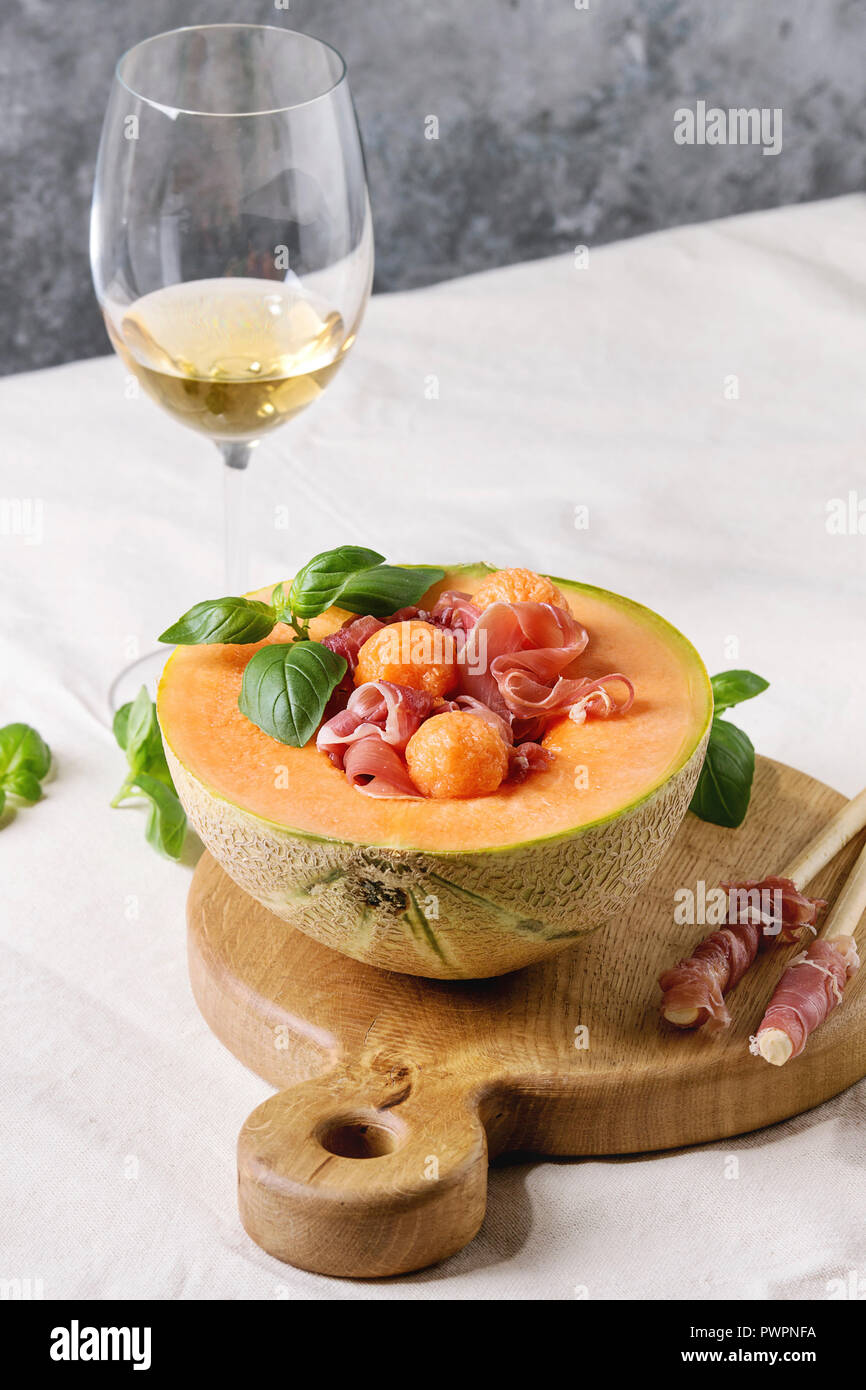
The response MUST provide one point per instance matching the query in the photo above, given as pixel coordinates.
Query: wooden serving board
(396, 1091)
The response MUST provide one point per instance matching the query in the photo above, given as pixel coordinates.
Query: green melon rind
(453, 914)
(495, 912)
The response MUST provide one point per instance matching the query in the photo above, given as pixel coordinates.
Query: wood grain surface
(396, 1091)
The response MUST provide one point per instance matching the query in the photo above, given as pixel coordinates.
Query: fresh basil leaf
(136, 729)
(141, 727)
(25, 759)
(235, 620)
(23, 783)
(158, 767)
(321, 581)
(166, 820)
(22, 747)
(120, 724)
(286, 687)
(733, 687)
(280, 603)
(725, 784)
(385, 589)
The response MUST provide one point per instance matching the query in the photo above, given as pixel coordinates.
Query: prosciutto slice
(378, 710)
(515, 658)
(695, 988)
(526, 758)
(698, 985)
(376, 768)
(455, 610)
(348, 640)
(808, 991)
(513, 644)
(783, 909)
(598, 700)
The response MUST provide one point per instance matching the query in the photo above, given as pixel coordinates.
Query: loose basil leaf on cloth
(141, 731)
(733, 687)
(286, 687)
(137, 731)
(120, 725)
(22, 747)
(385, 589)
(23, 784)
(236, 620)
(166, 820)
(25, 759)
(725, 784)
(321, 581)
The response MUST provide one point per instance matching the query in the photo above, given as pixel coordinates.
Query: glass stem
(236, 457)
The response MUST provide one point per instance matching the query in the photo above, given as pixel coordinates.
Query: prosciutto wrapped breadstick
(760, 914)
(814, 982)
(694, 989)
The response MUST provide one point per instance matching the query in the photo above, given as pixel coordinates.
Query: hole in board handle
(359, 1136)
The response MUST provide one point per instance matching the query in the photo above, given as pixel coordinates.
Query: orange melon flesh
(623, 758)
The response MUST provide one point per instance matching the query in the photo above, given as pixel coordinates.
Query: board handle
(335, 1176)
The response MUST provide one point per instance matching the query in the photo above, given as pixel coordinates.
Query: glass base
(146, 671)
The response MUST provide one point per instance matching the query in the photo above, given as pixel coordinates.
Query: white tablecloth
(701, 392)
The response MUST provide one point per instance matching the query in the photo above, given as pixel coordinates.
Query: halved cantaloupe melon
(455, 888)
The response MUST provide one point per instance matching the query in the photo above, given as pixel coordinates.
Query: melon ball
(411, 653)
(456, 754)
(518, 586)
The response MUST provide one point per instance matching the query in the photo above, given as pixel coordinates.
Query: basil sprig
(148, 777)
(286, 687)
(322, 581)
(25, 759)
(725, 784)
(355, 578)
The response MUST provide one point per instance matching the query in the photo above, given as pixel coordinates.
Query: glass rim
(202, 28)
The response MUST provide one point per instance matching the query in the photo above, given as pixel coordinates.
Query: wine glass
(231, 241)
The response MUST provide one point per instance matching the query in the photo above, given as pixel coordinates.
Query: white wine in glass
(231, 238)
(231, 358)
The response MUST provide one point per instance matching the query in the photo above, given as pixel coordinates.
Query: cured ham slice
(784, 911)
(808, 991)
(376, 768)
(379, 710)
(348, 640)
(514, 646)
(812, 985)
(760, 913)
(514, 661)
(598, 700)
(455, 610)
(693, 990)
(526, 758)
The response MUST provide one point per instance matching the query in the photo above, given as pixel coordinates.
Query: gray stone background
(556, 127)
